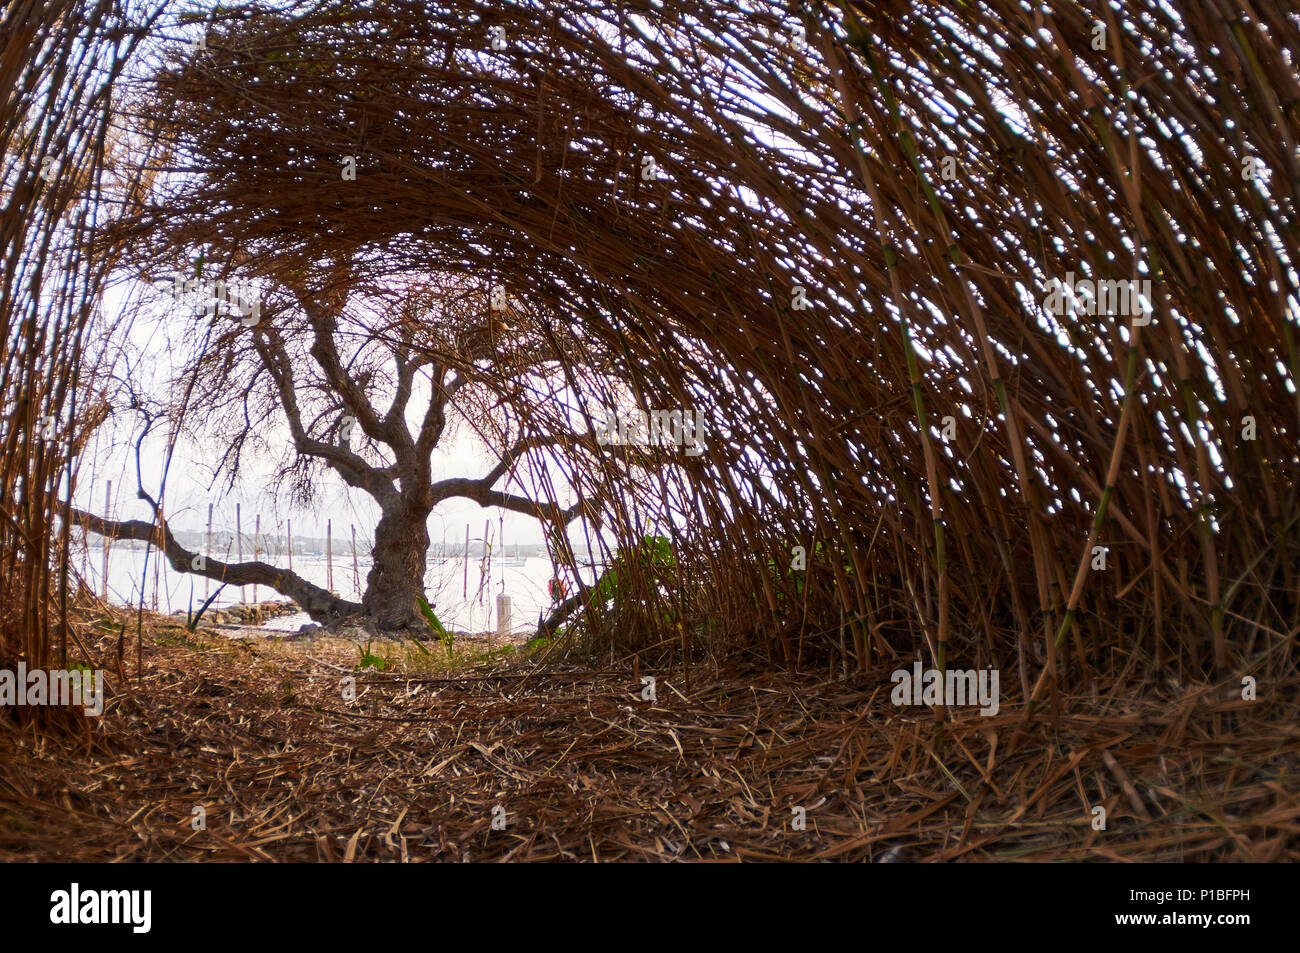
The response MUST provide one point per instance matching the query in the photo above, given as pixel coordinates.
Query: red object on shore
(556, 588)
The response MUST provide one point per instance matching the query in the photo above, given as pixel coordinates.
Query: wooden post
(207, 553)
(157, 563)
(356, 573)
(239, 547)
(289, 533)
(503, 621)
(329, 553)
(85, 570)
(108, 502)
(464, 590)
(257, 547)
(487, 528)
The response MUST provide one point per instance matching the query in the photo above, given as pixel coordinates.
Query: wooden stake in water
(108, 502)
(356, 573)
(329, 554)
(257, 547)
(464, 589)
(486, 565)
(239, 547)
(157, 563)
(207, 553)
(289, 532)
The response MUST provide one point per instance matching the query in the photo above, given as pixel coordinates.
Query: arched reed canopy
(841, 231)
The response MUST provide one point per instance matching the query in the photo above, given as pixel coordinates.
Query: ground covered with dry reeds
(585, 769)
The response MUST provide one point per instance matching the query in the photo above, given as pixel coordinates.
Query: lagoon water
(474, 611)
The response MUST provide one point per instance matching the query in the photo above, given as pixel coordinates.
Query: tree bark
(396, 576)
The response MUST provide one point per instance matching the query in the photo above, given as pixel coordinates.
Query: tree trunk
(396, 576)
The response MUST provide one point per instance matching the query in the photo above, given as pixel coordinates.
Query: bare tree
(365, 385)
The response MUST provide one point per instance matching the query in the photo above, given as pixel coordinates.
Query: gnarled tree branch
(317, 602)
